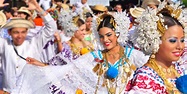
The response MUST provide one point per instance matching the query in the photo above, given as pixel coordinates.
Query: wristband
(41, 13)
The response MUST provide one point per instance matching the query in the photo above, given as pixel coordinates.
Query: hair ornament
(121, 23)
(147, 37)
(75, 19)
(100, 19)
(160, 25)
(67, 22)
(148, 33)
(176, 11)
(122, 26)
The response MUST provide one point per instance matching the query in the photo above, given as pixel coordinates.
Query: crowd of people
(82, 49)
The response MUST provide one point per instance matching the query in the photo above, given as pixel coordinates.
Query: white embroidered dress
(68, 78)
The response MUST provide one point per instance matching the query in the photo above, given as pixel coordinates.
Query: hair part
(88, 14)
(168, 19)
(108, 21)
(80, 22)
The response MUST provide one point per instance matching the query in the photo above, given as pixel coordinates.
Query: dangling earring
(117, 34)
(152, 56)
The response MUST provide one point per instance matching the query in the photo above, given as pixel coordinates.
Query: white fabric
(34, 32)
(12, 65)
(79, 7)
(68, 78)
(50, 49)
(45, 4)
(93, 2)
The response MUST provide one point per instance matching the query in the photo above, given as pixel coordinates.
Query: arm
(3, 92)
(35, 62)
(49, 25)
(1, 3)
(58, 41)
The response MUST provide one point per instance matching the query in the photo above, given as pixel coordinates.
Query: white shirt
(12, 65)
(80, 7)
(45, 4)
(34, 32)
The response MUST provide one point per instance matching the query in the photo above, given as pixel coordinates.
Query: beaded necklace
(171, 89)
(78, 50)
(122, 66)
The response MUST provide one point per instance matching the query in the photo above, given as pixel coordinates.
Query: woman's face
(79, 34)
(83, 1)
(152, 6)
(107, 37)
(88, 23)
(172, 44)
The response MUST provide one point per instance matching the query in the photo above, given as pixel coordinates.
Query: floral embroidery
(141, 77)
(146, 79)
(141, 84)
(129, 85)
(155, 86)
(57, 60)
(55, 90)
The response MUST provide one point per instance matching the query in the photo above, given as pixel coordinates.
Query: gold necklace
(169, 71)
(111, 84)
(76, 49)
(169, 86)
(90, 47)
(114, 54)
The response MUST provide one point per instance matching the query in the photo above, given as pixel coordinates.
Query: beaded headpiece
(121, 24)
(68, 22)
(152, 27)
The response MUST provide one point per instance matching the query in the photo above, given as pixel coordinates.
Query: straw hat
(65, 6)
(2, 18)
(145, 3)
(24, 10)
(18, 22)
(136, 12)
(99, 8)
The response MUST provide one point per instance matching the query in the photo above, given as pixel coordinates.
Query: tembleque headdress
(151, 26)
(121, 23)
(68, 22)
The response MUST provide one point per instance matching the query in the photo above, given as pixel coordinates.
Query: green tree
(185, 2)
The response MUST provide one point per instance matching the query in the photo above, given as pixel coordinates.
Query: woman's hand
(57, 36)
(58, 40)
(32, 4)
(34, 62)
(1, 3)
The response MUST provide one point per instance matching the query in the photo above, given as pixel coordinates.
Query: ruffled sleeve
(138, 58)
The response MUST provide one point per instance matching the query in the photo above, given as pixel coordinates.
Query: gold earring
(152, 56)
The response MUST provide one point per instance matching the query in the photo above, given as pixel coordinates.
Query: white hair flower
(147, 36)
(123, 23)
(65, 20)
